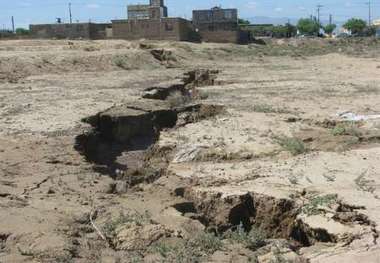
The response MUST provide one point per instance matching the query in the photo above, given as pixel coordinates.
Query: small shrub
(338, 130)
(278, 257)
(193, 250)
(263, 108)
(90, 49)
(293, 145)
(348, 128)
(252, 240)
(121, 62)
(208, 242)
(110, 227)
(312, 208)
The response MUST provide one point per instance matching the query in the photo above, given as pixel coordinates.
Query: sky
(27, 12)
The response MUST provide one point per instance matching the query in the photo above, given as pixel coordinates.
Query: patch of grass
(313, 207)
(266, 108)
(91, 49)
(121, 62)
(365, 184)
(193, 250)
(253, 239)
(293, 145)
(208, 242)
(110, 227)
(263, 108)
(367, 89)
(278, 257)
(75, 61)
(347, 128)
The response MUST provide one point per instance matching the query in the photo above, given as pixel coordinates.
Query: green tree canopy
(308, 26)
(22, 31)
(282, 31)
(329, 29)
(355, 25)
(243, 21)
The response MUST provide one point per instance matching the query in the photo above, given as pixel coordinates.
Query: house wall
(71, 31)
(176, 29)
(219, 25)
(221, 36)
(215, 15)
(138, 11)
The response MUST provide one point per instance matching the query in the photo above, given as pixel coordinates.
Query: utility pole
(319, 13)
(369, 13)
(71, 16)
(13, 24)
(330, 19)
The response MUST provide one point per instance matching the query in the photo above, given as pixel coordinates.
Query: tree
(243, 21)
(329, 29)
(308, 26)
(284, 31)
(22, 31)
(369, 31)
(291, 30)
(355, 25)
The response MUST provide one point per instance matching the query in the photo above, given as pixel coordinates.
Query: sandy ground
(48, 192)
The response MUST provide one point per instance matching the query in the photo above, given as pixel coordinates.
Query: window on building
(228, 14)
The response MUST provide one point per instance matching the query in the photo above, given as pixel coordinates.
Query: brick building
(152, 22)
(155, 10)
(219, 25)
(176, 29)
(70, 31)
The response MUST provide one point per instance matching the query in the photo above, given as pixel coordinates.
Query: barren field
(115, 151)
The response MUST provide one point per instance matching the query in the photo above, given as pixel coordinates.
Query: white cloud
(278, 9)
(252, 5)
(93, 6)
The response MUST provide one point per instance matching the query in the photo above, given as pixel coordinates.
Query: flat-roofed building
(155, 10)
(152, 22)
(219, 25)
(138, 12)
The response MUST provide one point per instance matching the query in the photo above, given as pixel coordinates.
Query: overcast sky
(45, 11)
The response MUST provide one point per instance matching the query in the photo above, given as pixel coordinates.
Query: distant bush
(22, 31)
(329, 29)
(355, 25)
(293, 145)
(308, 26)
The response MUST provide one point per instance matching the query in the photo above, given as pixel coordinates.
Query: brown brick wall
(70, 31)
(156, 29)
(220, 36)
